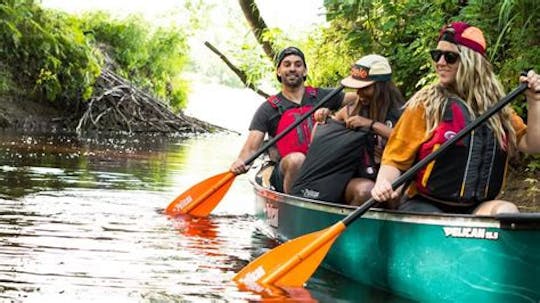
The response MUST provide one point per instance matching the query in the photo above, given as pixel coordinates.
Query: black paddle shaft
(290, 127)
(413, 170)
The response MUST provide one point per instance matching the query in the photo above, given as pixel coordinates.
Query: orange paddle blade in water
(203, 197)
(290, 264)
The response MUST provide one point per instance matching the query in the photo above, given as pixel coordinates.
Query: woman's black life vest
(471, 171)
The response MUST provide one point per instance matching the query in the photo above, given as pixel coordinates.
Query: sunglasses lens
(436, 55)
(451, 58)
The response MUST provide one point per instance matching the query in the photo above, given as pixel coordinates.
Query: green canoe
(424, 257)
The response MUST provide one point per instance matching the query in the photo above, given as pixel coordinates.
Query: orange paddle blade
(200, 199)
(292, 263)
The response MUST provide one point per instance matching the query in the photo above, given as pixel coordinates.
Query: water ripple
(78, 245)
(81, 220)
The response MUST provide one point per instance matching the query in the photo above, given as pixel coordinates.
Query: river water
(81, 220)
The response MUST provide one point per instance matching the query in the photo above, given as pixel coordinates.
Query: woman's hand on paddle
(533, 84)
(382, 190)
(321, 115)
(238, 167)
(356, 121)
(530, 143)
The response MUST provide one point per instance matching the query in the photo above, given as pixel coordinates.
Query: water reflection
(189, 226)
(41, 162)
(80, 246)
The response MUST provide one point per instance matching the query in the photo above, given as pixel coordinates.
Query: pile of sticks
(120, 106)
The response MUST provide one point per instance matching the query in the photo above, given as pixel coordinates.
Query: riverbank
(24, 115)
(523, 188)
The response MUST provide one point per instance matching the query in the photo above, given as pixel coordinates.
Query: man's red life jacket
(297, 140)
(470, 172)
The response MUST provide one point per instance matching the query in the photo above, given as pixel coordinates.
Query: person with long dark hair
(344, 156)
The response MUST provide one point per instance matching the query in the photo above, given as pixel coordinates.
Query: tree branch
(241, 74)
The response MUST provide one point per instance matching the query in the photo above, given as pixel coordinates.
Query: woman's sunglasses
(449, 57)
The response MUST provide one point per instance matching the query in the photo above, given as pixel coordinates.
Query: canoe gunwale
(518, 221)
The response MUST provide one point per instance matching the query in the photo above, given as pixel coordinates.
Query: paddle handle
(414, 169)
(290, 127)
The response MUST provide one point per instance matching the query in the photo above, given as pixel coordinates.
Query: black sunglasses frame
(449, 57)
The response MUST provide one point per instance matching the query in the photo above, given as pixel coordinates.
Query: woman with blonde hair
(468, 177)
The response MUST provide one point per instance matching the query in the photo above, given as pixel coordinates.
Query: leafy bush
(392, 29)
(511, 28)
(6, 83)
(46, 52)
(54, 55)
(151, 59)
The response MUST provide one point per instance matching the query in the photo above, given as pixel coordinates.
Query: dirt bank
(523, 188)
(25, 115)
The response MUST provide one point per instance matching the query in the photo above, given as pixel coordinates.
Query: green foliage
(392, 29)
(511, 28)
(6, 82)
(152, 59)
(332, 59)
(46, 52)
(53, 54)
(255, 64)
(534, 162)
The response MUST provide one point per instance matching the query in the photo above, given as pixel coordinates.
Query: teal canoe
(423, 257)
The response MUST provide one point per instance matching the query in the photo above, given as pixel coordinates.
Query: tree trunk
(257, 24)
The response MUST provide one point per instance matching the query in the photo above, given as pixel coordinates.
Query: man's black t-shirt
(267, 117)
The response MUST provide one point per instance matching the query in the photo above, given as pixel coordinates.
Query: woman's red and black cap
(464, 34)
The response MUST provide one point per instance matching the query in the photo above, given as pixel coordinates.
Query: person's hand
(321, 115)
(357, 122)
(382, 191)
(238, 167)
(533, 84)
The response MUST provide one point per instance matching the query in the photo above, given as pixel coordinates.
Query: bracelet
(371, 125)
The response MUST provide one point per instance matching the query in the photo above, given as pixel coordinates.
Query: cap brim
(353, 83)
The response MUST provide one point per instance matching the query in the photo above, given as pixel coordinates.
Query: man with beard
(280, 111)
